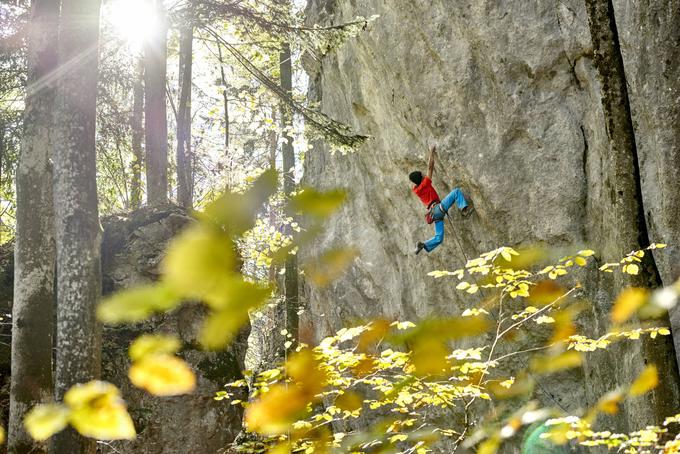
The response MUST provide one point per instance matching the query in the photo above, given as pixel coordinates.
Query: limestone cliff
(510, 93)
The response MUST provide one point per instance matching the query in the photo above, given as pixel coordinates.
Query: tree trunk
(156, 123)
(78, 233)
(33, 306)
(623, 215)
(184, 161)
(2, 147)
(273, 148)
(137, 137)
(225, 96)
(288, 154)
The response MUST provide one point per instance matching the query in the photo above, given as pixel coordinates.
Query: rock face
(509, 92)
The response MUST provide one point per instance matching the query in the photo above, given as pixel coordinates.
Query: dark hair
(416, 177)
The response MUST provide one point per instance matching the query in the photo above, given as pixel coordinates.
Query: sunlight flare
(133, 20)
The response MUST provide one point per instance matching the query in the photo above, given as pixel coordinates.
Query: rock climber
(437, 209)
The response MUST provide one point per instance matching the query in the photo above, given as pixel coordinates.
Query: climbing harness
(435, 213)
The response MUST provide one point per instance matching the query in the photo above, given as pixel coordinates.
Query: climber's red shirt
(426, 192)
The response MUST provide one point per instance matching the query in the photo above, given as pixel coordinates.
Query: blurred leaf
(546, 292)
(236, 212)
(220, 327)
(349, 401)
(524, 258)
(330, 266)
(304, 369)
(137, 304)
(276, 410)
(151, 344)
(377, 330)
(627, 303)
(444, 329)
(237, 295)
(198, 262)
(365, 366)
(43, 421)
(97, 411)
(162, 375)
(511, 389)
(429, 357)
(551, 364)
(609, 403)
(646, 381)
(489, 446)
(311, 202)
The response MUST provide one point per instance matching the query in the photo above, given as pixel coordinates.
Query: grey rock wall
(509, 93)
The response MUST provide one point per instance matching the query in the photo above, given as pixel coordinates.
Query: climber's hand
(430, 164)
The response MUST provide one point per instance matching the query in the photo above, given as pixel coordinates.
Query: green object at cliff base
(534, 444)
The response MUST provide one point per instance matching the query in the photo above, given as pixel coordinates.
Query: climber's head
(416, 177)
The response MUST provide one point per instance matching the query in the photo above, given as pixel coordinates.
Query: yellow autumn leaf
(309, 201)
(646, 381)
(555, 273)
(631, 268)
(151, 344)
(304, 369)
(219, 328)
(462, 285)
(276, 410)
(429, 357)
(282, 448)
(546, 292)
(473, 289)
(236, 294)
(110, 422)
(609, 403)
(137, 304)
(85, 394)
(489, 446)
(627, 303)
(544, 319)
(551, 364)
(98, 411)
(43, 421)
(586, 253)
(162, 375)
(235, 213)
(580, 261)
(330, 266)
(349, 401)
(397, 438)
(198, 262)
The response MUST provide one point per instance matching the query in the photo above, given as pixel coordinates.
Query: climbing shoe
(419, 247)
(467, 211)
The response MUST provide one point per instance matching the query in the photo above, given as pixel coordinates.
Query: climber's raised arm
(430, 163)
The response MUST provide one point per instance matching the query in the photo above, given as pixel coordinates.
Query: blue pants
(455, 196)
